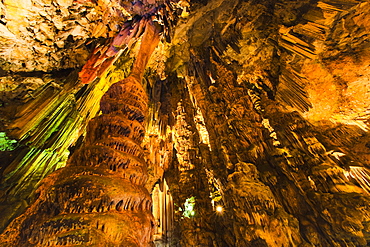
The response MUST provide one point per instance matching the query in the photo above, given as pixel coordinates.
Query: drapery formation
(257, 108)
(99, 198)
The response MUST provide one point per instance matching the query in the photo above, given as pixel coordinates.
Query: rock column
(99, 198)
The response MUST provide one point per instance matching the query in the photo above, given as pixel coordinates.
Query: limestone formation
(99, 198)
(250, 123)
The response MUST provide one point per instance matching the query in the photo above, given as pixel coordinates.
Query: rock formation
(99, 198)
(256, 131)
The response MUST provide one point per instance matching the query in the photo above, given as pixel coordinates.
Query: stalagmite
(99, 198)
(254, 130)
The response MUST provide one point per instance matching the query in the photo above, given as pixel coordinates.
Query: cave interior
(185, 123)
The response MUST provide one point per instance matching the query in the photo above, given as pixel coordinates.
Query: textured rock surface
(99, 198)
(51, 35)
(259, 107)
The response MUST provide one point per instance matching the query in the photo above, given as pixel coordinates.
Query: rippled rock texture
(256, 128)
(99, 198)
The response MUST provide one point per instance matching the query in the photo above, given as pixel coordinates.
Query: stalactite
(99, 198)
(263, 131)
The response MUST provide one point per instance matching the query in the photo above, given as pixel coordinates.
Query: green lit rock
(6, 144)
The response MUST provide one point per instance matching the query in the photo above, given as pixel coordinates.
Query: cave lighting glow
(219, 209)
(361, 175)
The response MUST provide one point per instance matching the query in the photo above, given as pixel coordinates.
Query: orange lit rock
(99, 198)
(260, 107)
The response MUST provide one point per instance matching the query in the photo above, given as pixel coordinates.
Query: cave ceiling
(264, 103)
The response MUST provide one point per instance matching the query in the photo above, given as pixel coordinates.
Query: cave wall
(274, 84)
(260, 107)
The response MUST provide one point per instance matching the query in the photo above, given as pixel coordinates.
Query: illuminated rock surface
(99, 198)
(260, 107)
